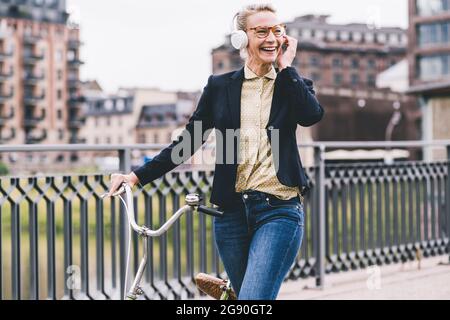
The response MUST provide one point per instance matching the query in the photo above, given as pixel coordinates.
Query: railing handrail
(159, 146)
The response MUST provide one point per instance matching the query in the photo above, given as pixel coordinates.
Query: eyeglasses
(263, 32)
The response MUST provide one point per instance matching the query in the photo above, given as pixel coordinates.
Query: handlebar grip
(210, 211)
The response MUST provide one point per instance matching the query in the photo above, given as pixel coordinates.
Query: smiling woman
(261, 185)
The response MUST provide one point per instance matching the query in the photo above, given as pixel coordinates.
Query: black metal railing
(58, 239)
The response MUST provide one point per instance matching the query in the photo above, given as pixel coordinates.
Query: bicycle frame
(193, 202)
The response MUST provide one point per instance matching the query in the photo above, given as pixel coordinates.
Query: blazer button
(294, 80)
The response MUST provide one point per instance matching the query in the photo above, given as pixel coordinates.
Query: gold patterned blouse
(256, 169)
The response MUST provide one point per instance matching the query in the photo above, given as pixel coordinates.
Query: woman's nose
(271, 37)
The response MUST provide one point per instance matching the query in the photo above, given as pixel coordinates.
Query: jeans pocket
(275, 202)
(294, 206)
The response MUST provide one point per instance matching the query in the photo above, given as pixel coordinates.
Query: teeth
(268, 49)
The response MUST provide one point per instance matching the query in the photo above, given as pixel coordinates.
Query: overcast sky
(167, 44)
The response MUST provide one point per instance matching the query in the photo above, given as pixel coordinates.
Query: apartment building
(429, 67)
(342, 55)
(39, 75)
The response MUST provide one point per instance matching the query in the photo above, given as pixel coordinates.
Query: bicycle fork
(135, 290)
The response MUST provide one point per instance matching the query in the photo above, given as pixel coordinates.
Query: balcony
(77, 140)
(31, 57)
(74, 63)
(73, 83)
(5, 75)
(5, 96)
(31, 120)
(5, 55)
(75, 123)
(30, 40)
(74, 44)
(4, 118)
(31, 99)
(33, 138)
(6, 139)
(30, 78)
(75, 101)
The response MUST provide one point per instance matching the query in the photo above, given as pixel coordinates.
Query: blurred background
(70, 69)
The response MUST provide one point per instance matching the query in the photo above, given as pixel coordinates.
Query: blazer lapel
(234, 97)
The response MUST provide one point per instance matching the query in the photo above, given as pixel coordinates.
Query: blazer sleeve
(306, 108)
(185, 145)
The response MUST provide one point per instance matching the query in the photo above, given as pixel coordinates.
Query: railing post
(125, 160)
(447, 201)
(124, 167)
(319, 163)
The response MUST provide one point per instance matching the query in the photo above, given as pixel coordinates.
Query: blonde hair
(242, 15)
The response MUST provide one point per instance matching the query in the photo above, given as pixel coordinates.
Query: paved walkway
(397, 281)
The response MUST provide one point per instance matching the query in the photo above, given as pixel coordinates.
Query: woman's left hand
(285, 59)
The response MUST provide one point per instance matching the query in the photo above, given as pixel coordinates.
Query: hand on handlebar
(117, 180)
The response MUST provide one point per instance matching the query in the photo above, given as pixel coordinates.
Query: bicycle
(215, 287)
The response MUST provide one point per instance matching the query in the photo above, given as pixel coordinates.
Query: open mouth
(268, 49)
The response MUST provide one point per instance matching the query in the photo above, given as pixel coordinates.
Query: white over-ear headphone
(239, 39)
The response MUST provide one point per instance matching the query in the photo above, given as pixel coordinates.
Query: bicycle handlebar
(211, 211)
(192, 200)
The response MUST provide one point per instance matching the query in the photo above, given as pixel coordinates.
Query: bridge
(60, 240)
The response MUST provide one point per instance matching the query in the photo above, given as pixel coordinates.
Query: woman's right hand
(117, 179)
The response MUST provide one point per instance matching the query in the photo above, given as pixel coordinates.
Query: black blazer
(293, 103)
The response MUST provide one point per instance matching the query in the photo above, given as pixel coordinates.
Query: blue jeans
(258, 240)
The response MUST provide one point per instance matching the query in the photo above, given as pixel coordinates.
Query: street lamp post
(395, 119)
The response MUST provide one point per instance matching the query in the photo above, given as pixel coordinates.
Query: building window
(120, 104)
(71, 55)
(357, 36)
(141, 138)
(355, 79)
(59, 114)
(314, 61)
(434, 67)
(355, 63)
(337, 63)
(381, 38)
(432, 7)
(109, 104)
(369, 37)
(433, 33)
(337, 79)
(332, 35)
(60, 134)
(59, 94)
(220, 65)
(59, 55)
(315, 76)
(344, 36)
(371, 64)
(371, 80)
(59, 74)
